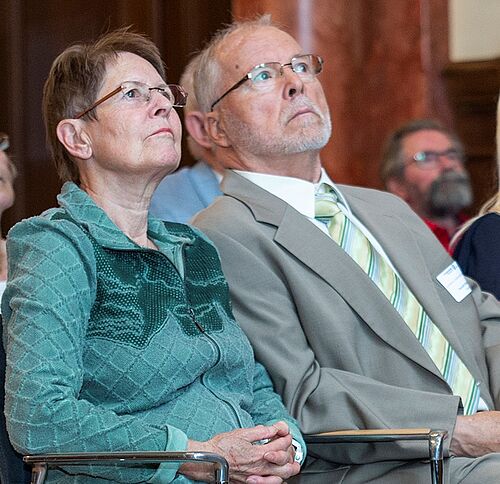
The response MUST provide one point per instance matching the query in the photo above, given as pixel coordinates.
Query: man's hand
(476, 435)
(250, 461)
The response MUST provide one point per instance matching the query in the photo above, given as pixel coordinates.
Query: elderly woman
(118, 328)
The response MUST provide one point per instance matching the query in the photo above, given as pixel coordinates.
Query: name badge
(454, 282)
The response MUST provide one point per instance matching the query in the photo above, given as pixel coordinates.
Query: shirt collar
(296, 192)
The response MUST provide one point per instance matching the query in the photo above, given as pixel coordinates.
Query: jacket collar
(80, 206)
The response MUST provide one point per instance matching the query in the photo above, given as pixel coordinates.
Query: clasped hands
(250, 460)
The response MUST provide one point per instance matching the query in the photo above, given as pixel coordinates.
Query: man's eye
(301, 67)
(262, 76)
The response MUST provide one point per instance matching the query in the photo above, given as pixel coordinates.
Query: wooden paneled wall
(32, 33)
(384, 65)
(383, 61)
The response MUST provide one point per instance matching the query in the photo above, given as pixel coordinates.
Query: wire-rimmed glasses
(262, 76)
(431, 159)
(134, 92)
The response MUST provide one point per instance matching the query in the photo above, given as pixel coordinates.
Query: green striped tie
(353, 241)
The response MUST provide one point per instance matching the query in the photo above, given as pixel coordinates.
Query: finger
(264, 480)
(259, 432)
(280, 457)
(282, 428)
(279, 443)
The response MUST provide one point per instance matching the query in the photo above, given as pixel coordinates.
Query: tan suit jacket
(338, 352)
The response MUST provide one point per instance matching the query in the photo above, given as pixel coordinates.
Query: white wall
(474, 29)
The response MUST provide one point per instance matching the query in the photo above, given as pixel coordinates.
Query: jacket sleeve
(268, 407)
(46, 307)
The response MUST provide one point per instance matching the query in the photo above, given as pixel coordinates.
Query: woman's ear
(215, 130)
(72, 136)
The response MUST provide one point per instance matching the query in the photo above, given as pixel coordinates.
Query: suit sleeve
(320, 397)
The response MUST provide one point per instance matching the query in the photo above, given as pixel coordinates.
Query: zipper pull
(198, 325)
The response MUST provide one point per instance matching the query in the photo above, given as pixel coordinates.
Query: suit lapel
(337, 268)
(421, 282)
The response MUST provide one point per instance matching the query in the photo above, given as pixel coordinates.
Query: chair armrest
(41, 462)
(435, 439)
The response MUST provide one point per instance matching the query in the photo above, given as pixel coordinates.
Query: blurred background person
(119, 333)
(477, 243)
(191, 189)
(423, 163)
(7, 176)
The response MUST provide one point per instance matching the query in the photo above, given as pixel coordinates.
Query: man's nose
(294, 85)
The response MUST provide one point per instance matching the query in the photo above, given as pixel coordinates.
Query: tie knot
(325, 204)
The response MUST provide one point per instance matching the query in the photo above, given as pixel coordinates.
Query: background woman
(118, 328)
(478, 247)
(7, 176)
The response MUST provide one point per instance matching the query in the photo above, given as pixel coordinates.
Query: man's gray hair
(208, 76)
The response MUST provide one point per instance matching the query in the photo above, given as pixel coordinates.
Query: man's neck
(305, 166)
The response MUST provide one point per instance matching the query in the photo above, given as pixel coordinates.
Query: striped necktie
(346, 234)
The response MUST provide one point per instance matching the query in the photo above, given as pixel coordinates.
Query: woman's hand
(257, 455)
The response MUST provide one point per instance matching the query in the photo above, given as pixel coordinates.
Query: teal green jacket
(111, 346)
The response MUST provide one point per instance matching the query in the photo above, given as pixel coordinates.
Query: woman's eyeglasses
(134, 92)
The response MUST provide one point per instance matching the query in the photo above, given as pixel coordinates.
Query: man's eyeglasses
(431, 159)
(4, 142)
(135, 93)
(264, 76)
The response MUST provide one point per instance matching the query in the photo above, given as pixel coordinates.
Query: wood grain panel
(383, 63)
(33, 33)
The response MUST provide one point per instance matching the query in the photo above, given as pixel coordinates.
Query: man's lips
(163, 131)
(301, 112)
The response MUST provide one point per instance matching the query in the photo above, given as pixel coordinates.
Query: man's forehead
(244, 49)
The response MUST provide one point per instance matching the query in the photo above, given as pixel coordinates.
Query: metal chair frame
(40, 463)
(435, 438)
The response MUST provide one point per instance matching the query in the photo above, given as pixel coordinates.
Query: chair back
(12, 468)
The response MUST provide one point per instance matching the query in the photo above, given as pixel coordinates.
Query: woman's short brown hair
(74, 80)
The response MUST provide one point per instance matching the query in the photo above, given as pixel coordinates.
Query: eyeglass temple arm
(99, 101)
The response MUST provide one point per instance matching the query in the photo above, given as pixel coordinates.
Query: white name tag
(454, 282)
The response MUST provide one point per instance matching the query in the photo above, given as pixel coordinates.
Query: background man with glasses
(423, 163)
(360, 316)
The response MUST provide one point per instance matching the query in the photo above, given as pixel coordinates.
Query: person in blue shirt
(184, 193)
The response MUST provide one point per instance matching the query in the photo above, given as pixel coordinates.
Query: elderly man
(423, 163)
(360, 316)
(181, 195)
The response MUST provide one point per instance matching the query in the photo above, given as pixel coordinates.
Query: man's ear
(397, 187)
(215, 130)
(72, 136)
(195, 125)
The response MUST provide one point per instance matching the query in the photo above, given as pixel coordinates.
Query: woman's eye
(132, 93)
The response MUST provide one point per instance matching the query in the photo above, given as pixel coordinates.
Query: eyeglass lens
(429, 158)
(305, 66)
